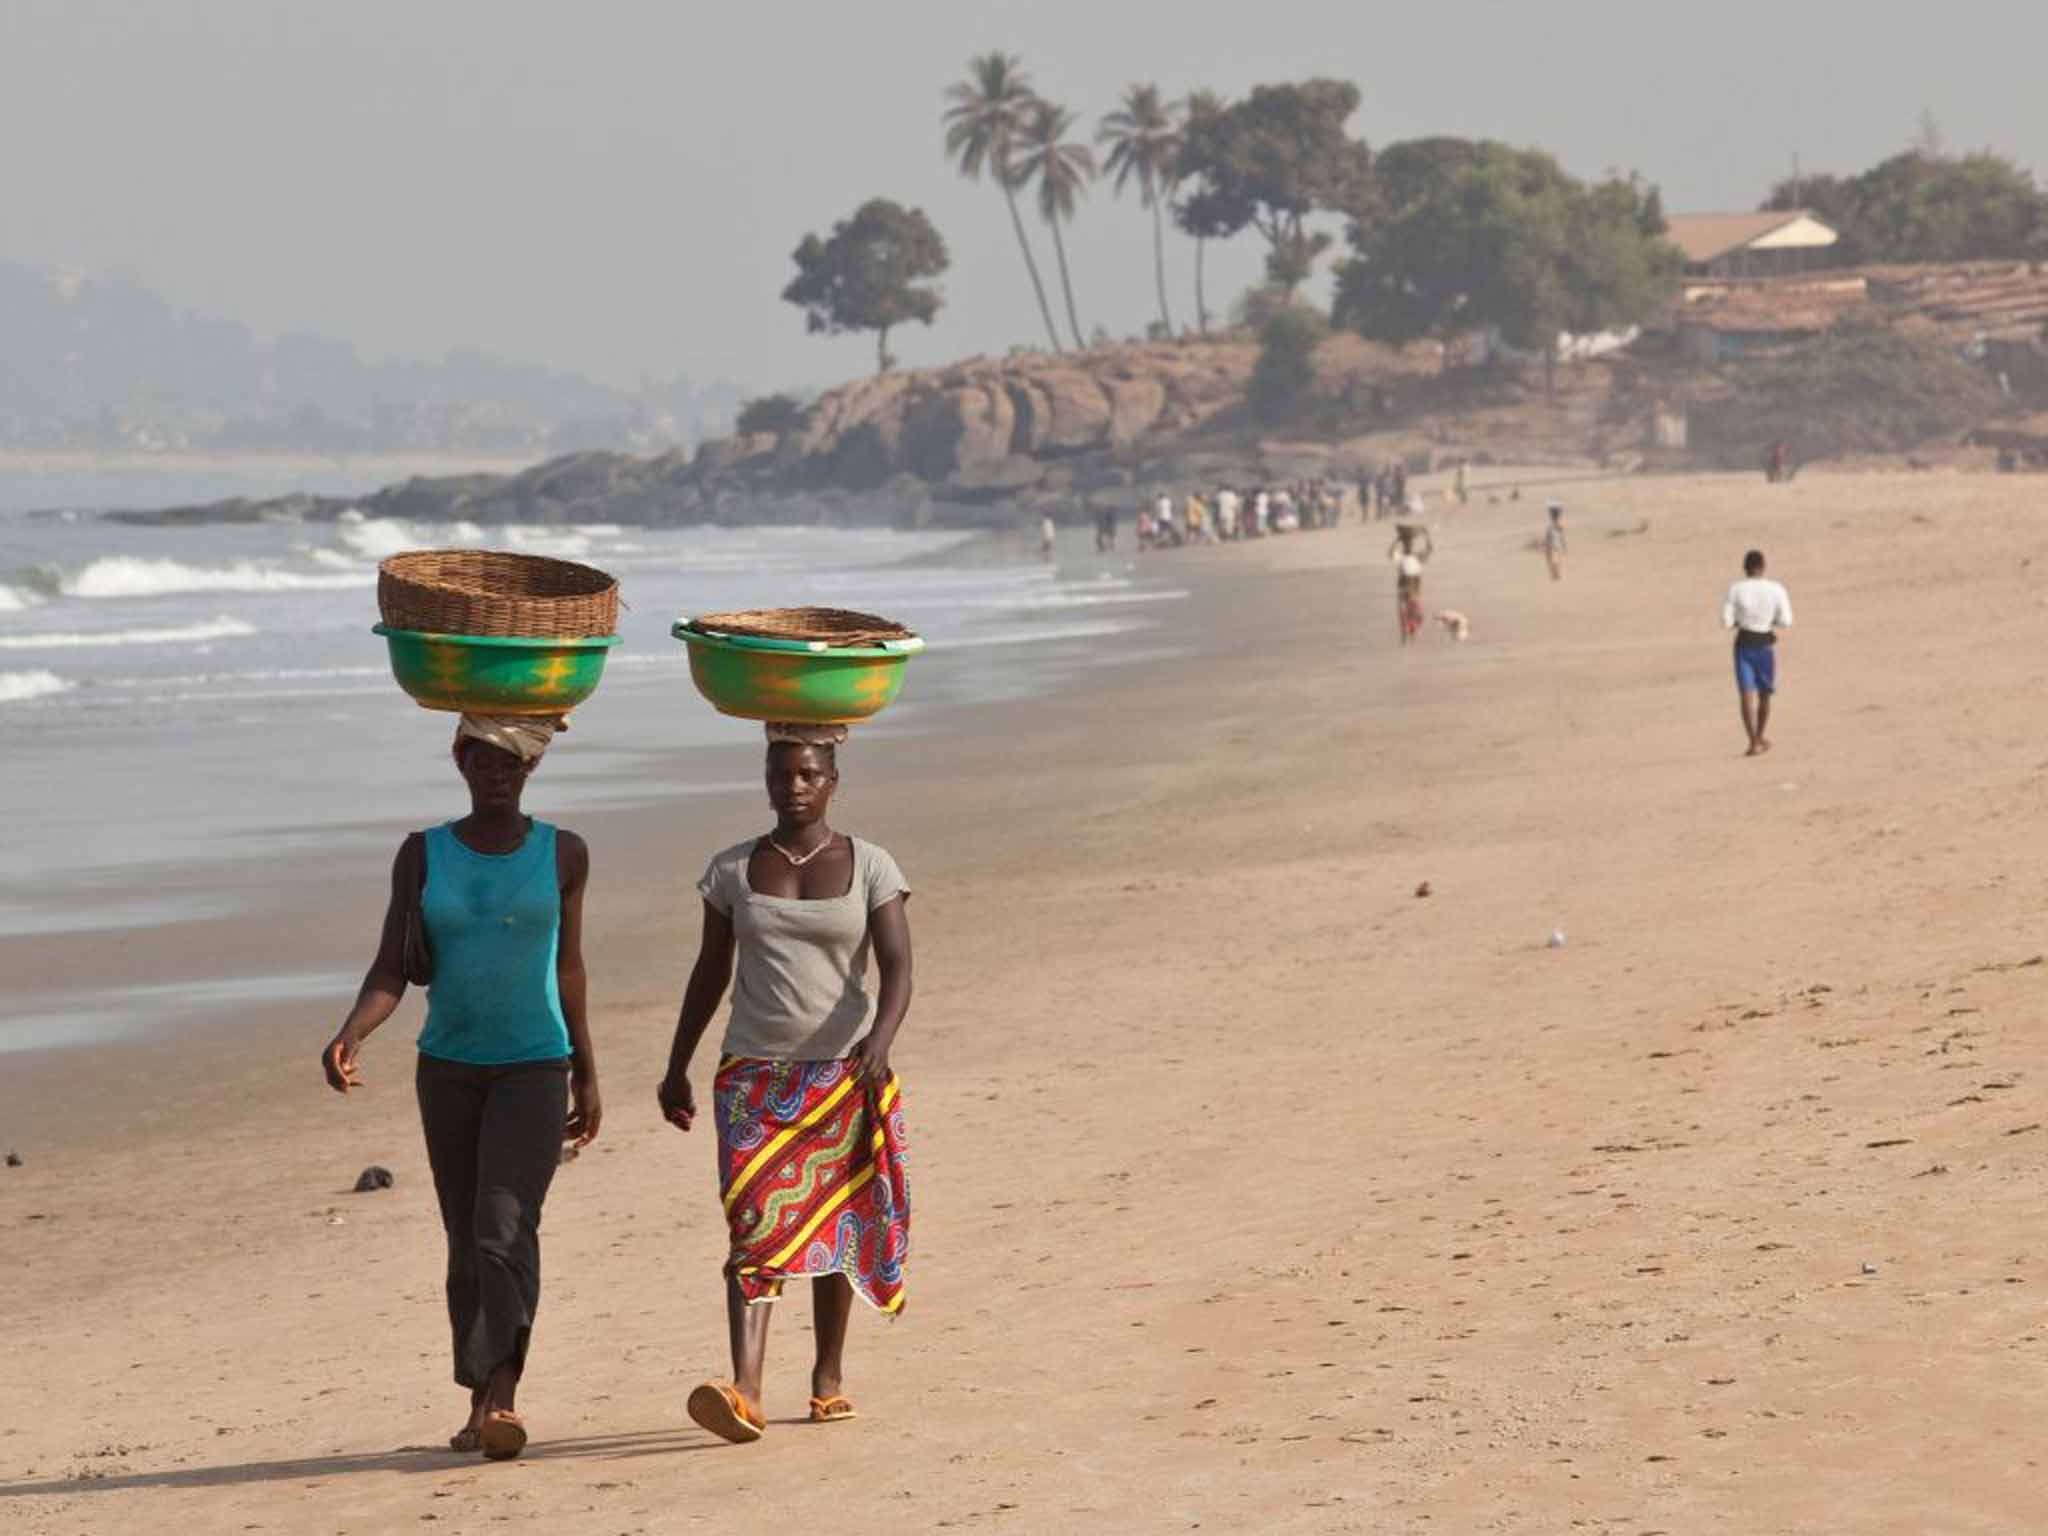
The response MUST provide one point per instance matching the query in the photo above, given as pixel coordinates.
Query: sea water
(184, 707)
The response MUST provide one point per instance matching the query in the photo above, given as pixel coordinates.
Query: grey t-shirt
(800, 975)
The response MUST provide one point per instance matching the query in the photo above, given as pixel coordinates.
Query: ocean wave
(379, 538)
(561, 543)
(16, 687)
(16, 599)
(222, 628)
(115, 576)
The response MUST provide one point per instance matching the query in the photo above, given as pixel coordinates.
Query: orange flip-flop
(831, 1410)
(720, 1408)
(503, 1435)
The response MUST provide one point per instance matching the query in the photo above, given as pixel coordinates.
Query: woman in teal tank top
(506, 1072)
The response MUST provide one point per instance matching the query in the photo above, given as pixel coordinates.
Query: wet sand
(1252, 1191)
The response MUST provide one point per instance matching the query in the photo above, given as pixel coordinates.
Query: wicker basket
(485, 592)
(827, 626)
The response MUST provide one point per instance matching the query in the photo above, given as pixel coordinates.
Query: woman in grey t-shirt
(809, 1116)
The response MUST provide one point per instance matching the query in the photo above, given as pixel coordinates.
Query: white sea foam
(562, 543)
(135, 576)
(222, 628)
(17, 687)
(15, 599)
(379, 538)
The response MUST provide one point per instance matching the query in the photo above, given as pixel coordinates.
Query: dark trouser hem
(494, 1139)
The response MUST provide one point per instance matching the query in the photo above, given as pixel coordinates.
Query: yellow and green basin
(795, 681)
(496, 674)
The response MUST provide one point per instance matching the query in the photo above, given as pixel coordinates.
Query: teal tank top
(494, 924)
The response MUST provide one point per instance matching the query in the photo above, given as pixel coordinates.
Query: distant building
(1750, 244)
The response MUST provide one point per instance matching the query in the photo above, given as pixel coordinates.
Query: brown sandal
(831, 1410)
(720, 1408)
(503, 1435)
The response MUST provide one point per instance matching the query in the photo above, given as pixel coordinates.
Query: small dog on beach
(1456, 625)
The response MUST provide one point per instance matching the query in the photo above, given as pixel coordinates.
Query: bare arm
(889, 929)
(709, 978)
(573, 982)
(384, 983)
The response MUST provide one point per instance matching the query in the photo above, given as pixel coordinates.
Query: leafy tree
(1205, 215)
(1918, 206)
(988, 111)
(1144, 142)
(1475, 235)
(872, 274)
(774, 414)
(1272, 160)
(1286, 371)
(1062, 169)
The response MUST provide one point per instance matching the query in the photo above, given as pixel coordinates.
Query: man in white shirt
(1756, 609)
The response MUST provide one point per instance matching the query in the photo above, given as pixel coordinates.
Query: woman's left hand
(870, 1059)
(586, 1113)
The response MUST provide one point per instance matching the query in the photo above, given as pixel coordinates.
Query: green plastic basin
(496, 674)
(794, 681)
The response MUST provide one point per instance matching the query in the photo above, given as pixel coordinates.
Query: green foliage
(871, 274)
(1286, 372)
(1143, 136)
(1143, 141)
(774, 414)
(1062, 168)
(1466, 235)
(1920, 206)
(984, 118)
(1271, 161)
(1858, 389)
(1256, 305)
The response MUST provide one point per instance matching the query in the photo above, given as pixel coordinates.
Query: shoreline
(1252, 1188)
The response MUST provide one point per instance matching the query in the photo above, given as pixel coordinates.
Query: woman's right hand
(678, 1104)
(338, 1061)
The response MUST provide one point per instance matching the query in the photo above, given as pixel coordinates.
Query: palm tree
(1144, 142)
(1062, 170)
(988, 109)
(1200, 106)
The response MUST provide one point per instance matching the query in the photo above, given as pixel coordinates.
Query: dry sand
(1253, 1192)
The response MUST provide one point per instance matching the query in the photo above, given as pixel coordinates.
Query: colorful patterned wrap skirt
(810, 1168)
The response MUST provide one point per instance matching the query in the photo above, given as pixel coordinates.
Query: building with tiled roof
(1750, 244)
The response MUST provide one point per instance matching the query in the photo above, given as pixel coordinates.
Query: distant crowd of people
(1228, 514)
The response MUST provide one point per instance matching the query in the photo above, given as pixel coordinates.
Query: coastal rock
(1080, 413)
(962, 428)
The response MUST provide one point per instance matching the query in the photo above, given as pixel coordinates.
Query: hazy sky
(616, 185)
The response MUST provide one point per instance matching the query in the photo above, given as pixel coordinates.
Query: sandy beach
(1253, 1191)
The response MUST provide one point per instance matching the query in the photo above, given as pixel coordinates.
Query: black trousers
(494, 1139)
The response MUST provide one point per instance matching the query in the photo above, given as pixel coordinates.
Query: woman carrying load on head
(1409, 552)
(491, 906)
(807, 1112)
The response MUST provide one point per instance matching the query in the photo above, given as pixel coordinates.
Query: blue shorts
(1756, 668)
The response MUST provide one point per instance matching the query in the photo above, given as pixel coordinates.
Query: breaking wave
(222, 628)
(115, 576)
(15, 687)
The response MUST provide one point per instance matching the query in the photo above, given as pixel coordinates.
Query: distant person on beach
(1048, 537)
(1105, 530)
(1409, 552)
(807, 1113)
(1756, 608)
(1554, 542)
(488, 913)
